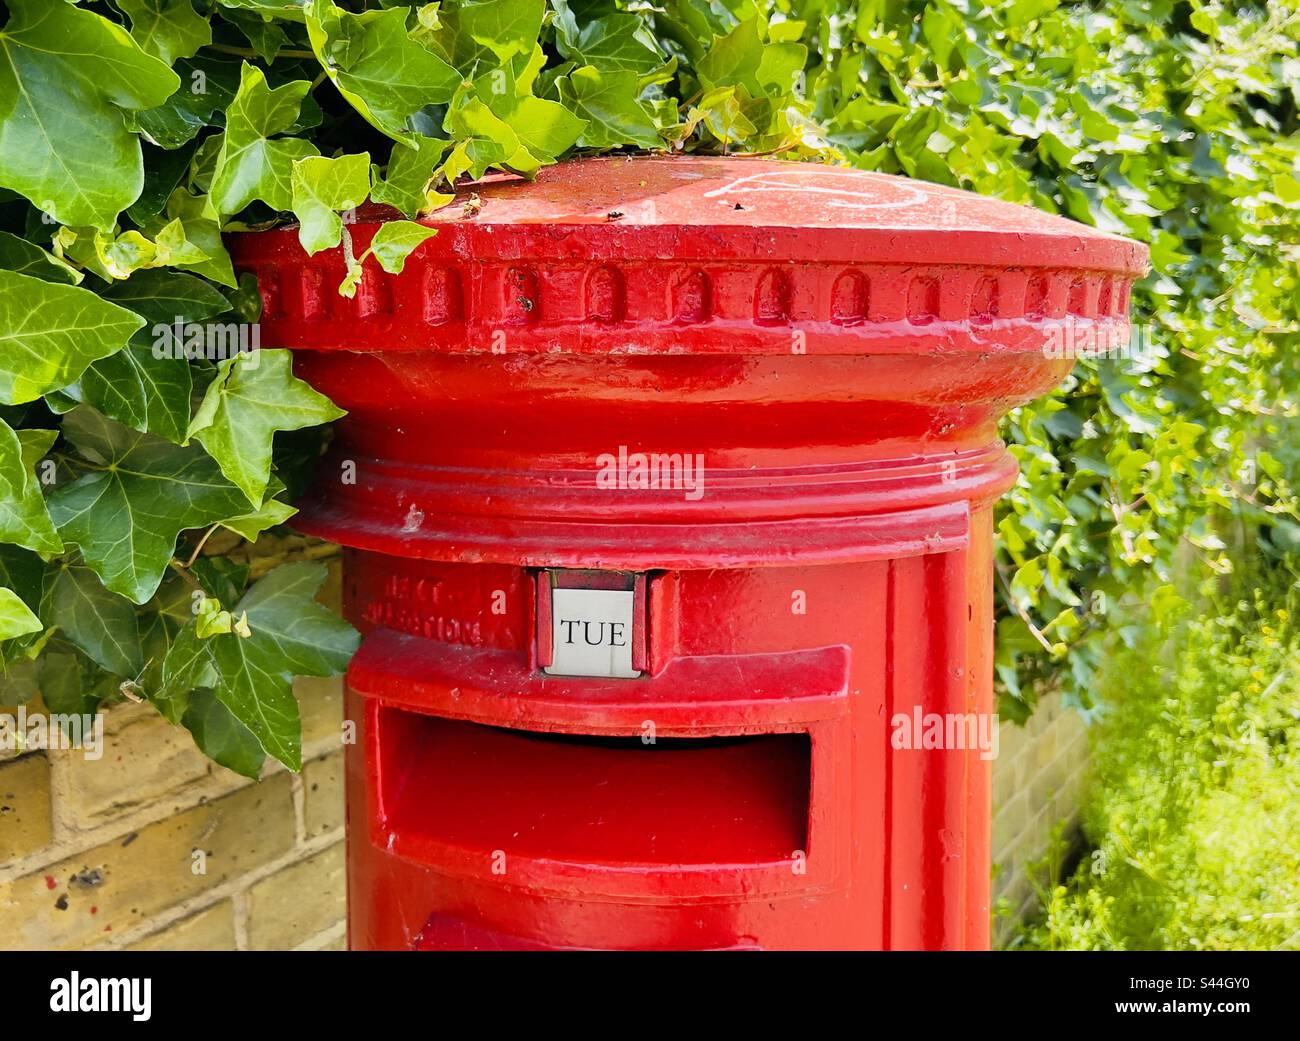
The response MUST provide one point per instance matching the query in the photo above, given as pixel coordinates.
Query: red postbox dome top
(808, 211)
(637, 254)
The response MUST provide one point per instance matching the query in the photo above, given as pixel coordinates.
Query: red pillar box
(667, 486)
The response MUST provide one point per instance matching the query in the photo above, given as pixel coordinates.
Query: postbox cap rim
(750, 208)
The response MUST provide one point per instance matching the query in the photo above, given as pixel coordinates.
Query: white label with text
(591, 632)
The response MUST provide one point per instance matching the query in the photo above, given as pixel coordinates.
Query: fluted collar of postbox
(707, 255)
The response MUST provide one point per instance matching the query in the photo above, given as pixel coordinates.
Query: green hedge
(1192, 820)
(1174, 123)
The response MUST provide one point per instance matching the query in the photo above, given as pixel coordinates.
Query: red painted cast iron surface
(818, 359)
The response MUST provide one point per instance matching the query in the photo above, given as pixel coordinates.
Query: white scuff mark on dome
(842, 196)
(414, 518)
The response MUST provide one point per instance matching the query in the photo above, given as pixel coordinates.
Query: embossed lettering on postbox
(591, 632)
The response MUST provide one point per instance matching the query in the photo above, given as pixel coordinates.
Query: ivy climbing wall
(155, 846)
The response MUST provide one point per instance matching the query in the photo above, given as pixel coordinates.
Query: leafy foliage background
(133, 132)
(1191, 820)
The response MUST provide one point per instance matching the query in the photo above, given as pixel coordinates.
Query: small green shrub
(1193, 810)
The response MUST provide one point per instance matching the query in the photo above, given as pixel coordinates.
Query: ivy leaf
(779, 69)
(163, 618)
(620, 42)
(722, 110)
(272, 512)
(165, 297)
(483, 139)
(382, 71)
(202, 227)
(49, 333)
(66, 74)
(395, 241)
(212, 620)
(250, 525)
(490, 31)
(27, 258)
(321, 186)
(253, 396)
(207, 88)
(287, 9)
(16, 618)
(147, 385)
(167, 29)
(265, 36)
(249, 164)
(221, 736)
(138, 387)
(126, 515)
(24, 519)
(109, 255)
(407, 181)
(743, 59)
(292, 635)
(546, 128)
(391, 245)
(187, 667)
(100, 623)
(70, 684)
(22, 571)
(608, 101)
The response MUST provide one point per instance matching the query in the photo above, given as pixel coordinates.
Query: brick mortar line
(1023, 881)
(1062, 755)
(68, 840)
(1070, 818)
(1070, 775)
(1080, 738)
(236, 889)
(315, 943)
(239, 910)
(298, 794)
(1015, 841)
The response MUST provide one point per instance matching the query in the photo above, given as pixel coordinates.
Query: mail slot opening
(593, 800)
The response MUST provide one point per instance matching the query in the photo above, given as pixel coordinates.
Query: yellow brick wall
(1038, 778)
(102, 853)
